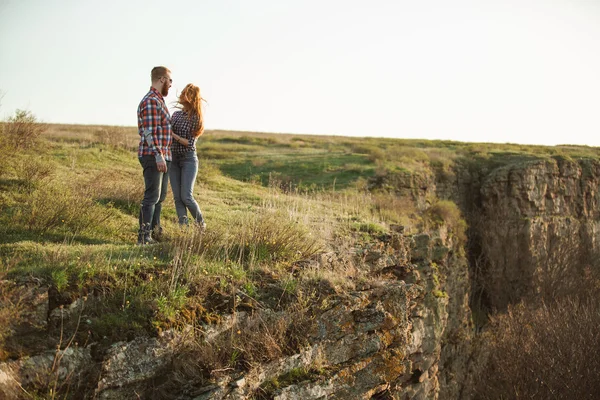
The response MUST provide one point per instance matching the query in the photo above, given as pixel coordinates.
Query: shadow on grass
(19, 234)
(11, 184)
(126, 206)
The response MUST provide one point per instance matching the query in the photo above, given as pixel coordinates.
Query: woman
(187, 125)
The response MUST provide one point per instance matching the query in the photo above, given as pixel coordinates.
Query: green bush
(445, 212)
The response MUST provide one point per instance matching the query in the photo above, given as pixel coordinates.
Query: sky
(504, 71)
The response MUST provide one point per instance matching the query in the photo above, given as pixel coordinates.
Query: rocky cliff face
(533, 223)
(533, 226)
(402, 336)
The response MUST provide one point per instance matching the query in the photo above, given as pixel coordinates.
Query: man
(154, 127)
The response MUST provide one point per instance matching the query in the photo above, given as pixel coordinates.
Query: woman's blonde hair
(189, 101)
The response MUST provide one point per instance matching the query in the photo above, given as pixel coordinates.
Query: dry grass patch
(249, 239)
(117, 137)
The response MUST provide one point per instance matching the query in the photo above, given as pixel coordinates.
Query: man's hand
(161, 166)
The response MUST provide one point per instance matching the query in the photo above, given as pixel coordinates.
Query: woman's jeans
(156, 184)
(182, 174)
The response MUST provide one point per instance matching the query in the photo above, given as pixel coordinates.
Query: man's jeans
(182, 173)
(156, 190)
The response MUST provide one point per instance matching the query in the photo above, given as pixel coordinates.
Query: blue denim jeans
(156, 184)
(182, 173)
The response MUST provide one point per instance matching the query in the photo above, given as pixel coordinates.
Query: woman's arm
(180, 139)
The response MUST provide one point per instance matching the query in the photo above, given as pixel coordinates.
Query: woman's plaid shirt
(185, 127)
(153, 115)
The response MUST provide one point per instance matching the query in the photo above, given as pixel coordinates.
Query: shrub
(258, 338)
(12, 312)
(370, 227)
(392, 208)
(22, 131)
(374, 152)
(55, 206)
(548, 352)
(445, 212)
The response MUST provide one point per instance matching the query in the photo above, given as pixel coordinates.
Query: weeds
(262, 337)
(169, 305)
(267, 390)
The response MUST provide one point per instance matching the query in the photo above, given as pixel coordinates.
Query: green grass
(69, 222)
(312, 170)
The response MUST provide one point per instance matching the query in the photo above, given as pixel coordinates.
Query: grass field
(69, 221)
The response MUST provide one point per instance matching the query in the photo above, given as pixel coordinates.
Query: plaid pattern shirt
(185, 127)
(153, 115)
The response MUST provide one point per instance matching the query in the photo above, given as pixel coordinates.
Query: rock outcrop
(390, 338)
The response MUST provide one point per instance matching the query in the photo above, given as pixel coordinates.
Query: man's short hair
(159, 72)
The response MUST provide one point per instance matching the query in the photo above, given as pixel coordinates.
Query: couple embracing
(167, 150)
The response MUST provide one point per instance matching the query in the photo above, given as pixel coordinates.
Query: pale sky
(518, 71)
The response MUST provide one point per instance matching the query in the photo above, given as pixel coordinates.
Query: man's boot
(201, 225)
(145, 235)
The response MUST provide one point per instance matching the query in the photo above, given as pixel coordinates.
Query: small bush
(445, 212)
(374, 152)
(296, 375)
(168, 306)
(22, 131)
(11, 313)
(55, 206)
(370, 227)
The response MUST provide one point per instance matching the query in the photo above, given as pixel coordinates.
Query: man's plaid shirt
(185, 127)
(153, 115)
